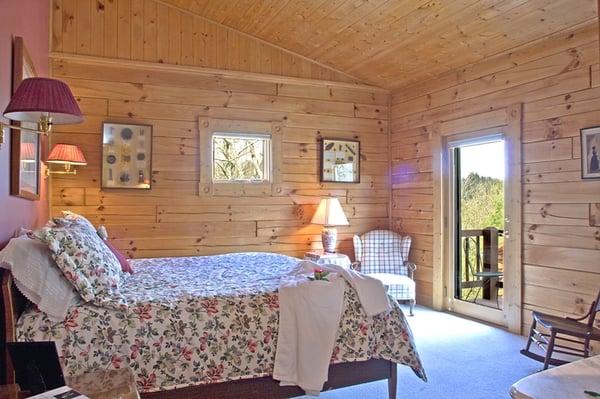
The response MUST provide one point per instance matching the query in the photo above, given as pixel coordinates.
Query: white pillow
(38, 277)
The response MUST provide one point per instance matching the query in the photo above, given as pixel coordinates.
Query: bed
(207, 327)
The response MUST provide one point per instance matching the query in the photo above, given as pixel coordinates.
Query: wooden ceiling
(391, 43)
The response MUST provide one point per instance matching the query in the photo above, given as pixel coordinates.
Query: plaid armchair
(383, 254)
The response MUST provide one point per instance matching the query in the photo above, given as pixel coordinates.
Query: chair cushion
(384, 251)
(399, 287)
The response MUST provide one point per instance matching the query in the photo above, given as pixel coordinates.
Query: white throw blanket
(37, 277)
(309, 317)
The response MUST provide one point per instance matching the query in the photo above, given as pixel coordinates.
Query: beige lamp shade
(330, 213)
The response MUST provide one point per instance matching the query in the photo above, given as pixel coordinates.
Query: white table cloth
(567, 381)
(331, 259)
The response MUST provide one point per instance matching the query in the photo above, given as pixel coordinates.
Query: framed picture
(340, 161)
(590, 153)
(126, 156)
(25, 147)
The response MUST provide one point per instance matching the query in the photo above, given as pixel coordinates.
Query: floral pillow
(72, 217)
(85, 261)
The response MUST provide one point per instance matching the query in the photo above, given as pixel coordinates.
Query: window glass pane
(238, 157)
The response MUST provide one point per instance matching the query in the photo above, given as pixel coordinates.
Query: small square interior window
(241, 157)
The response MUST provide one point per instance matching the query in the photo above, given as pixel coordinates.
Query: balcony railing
(481, 253)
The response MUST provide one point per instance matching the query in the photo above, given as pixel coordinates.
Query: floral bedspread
(206, 319)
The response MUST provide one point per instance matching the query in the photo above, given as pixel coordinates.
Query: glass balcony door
(477, 213)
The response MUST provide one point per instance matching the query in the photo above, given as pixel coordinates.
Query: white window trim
(208, 127)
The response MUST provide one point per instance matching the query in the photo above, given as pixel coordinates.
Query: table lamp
(329, 213)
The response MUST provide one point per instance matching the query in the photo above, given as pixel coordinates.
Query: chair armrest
(411, 269)
(585, 316)
(355, 266)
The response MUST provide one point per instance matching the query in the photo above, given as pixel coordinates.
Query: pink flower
(272, 301)
(405, 335)
(147, 383)
(143, 312)
(210, 306)
(135, 349)
(204, 341)
(252, 345)
(186, 352)
(216, 373)
(70, 320)
(116, 361)
(336, 352)
(158, 343)
(363, 328)
(85, 352)
(268, 334)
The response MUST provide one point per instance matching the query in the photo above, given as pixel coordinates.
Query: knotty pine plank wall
(172, 219)
(149, 30)
(558, 81)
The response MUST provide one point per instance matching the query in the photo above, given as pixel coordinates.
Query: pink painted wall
(28, 19)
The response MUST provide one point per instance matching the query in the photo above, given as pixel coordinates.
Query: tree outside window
(241, 157)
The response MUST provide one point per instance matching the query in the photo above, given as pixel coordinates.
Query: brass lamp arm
(39, 130)
(44, 127)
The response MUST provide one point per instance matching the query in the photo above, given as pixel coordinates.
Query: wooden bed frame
(340, 375)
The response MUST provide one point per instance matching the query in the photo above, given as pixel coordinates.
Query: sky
(484, 159)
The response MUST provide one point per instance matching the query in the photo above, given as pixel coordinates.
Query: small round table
(326, 258)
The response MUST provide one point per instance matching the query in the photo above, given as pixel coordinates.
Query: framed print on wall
(25, 147)
(340, 161)
(126, 156)
(590, 153)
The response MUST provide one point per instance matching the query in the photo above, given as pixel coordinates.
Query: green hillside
(482, 202)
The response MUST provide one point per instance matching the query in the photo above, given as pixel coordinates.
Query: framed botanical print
(590, 153)
(126, 156)
(340, 161)
(25, 147)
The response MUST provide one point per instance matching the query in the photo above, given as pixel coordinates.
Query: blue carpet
(462, 358)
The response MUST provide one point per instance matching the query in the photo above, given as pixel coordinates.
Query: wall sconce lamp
(43, 101)
(329, 214)
(68, 155)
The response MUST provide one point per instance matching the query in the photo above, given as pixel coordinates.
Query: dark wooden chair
(577, 332)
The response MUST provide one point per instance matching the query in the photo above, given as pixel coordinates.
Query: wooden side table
(106, 384)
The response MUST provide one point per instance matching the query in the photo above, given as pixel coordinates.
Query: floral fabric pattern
(85, 261)
(201, 320)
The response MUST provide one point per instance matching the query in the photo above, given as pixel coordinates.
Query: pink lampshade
(28, 151)
(66, 154)
(43, 96)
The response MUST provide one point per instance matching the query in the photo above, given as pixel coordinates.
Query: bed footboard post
(9, 318)
(393, 380)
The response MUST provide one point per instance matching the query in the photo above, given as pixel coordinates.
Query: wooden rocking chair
(574, 331)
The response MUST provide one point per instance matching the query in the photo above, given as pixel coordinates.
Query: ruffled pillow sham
(37, 277)
(85, 260)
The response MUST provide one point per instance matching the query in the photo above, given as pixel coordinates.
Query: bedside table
(324, 258)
